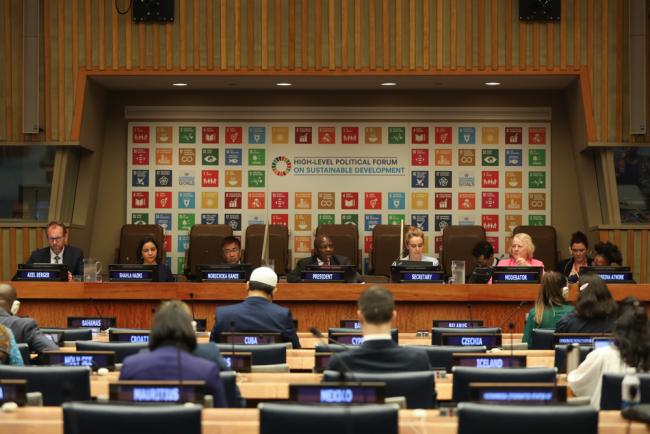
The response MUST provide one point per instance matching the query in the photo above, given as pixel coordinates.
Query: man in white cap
(257, 313)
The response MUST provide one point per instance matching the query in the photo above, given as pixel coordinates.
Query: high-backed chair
(457, 244)
(130, 236)
(278, 246)
(610, 395)
(57, 384)
(385, 248)
(205, 246)
(418, 387)
(233, 396)
(542, 339)
(131, 419)
(441, 356)
(72, 334)
(346, 240)
(561, 356)
(122, 349)
(463, 376)
(540, 419)
(299, 419)
(545, 240)
(269, 354)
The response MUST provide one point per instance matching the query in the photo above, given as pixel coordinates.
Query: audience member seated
(607, 254)
(578, 248)
(171, 341)
(323, 255)
(231, 250)
(9, 354)
(595, 308)
(25, 330)
(257, 313)
(413, 246)
(59, 252)
(379, 353)
(629, 353)
(550, 305)
(521, 253)
(149, 253)
(483, 252)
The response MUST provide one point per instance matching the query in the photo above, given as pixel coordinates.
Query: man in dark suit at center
(379, 353)
(323, 256)
(59, 252)
(257, 313)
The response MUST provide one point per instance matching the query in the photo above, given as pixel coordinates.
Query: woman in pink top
(521, 253)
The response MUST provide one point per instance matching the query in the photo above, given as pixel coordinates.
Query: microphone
(511, 326)
(232, 342)
(99, 314)
(344, 369)
(469, 310)
(514, 311)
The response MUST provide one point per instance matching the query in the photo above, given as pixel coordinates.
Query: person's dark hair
(550, 294)
(230, 240)
(483, 248)
(320, 238)
(148, 239)
(579, 238)
(632, 335)
(594, 299)
(259, 286)
(610, 252)
(377, 305)
(172, 326)
(56, 223)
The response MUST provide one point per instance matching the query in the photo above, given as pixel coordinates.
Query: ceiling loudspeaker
(539, 10)
(153, 10)
(637, 67)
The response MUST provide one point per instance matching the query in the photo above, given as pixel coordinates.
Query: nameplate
(617, 277)
(353, 339)
(491, 340)
(238, 361)
(157, 391)
(38, 274)
(457, 324)
(250, 338)
(584, 339)
(492, 361)
(92, 322)
(337, 393)
(350, 324)
(515, 277)
(517, 393)
(323, 276)
(421, 277)
(92, 359)
(129, 337)
(223, 276)
(13, 391)
(132, 273)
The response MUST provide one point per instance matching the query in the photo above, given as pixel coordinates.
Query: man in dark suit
(59, 252)
(323, 256)
(25, 330)
(171, 341)
(379, 353)
(257, 313)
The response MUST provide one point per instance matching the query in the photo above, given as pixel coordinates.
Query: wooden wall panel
(401, 36)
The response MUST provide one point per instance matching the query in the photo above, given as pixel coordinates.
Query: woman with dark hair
(607, 254)
(171, 341)
(550, 306)
(630, 352)
(595, 308)
(149, 253)
(578, 248)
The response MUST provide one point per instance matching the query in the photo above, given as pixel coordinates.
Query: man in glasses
(58, 251)
(231, 250)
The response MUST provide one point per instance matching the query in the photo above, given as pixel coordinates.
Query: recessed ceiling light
(389, 83)
(179, 84)
(493, 83)
(284, 83)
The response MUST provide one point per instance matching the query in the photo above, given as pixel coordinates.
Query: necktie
(57, 258)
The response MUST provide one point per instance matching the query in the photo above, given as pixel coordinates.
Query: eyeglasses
(578, 250)
(53, 239)
(226, 251)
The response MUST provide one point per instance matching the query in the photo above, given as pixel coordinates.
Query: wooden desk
(49, 420)
(314, 304)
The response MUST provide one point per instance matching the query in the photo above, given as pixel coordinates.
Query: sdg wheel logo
(281, 165)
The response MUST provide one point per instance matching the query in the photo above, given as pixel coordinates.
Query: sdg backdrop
(302, 174)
